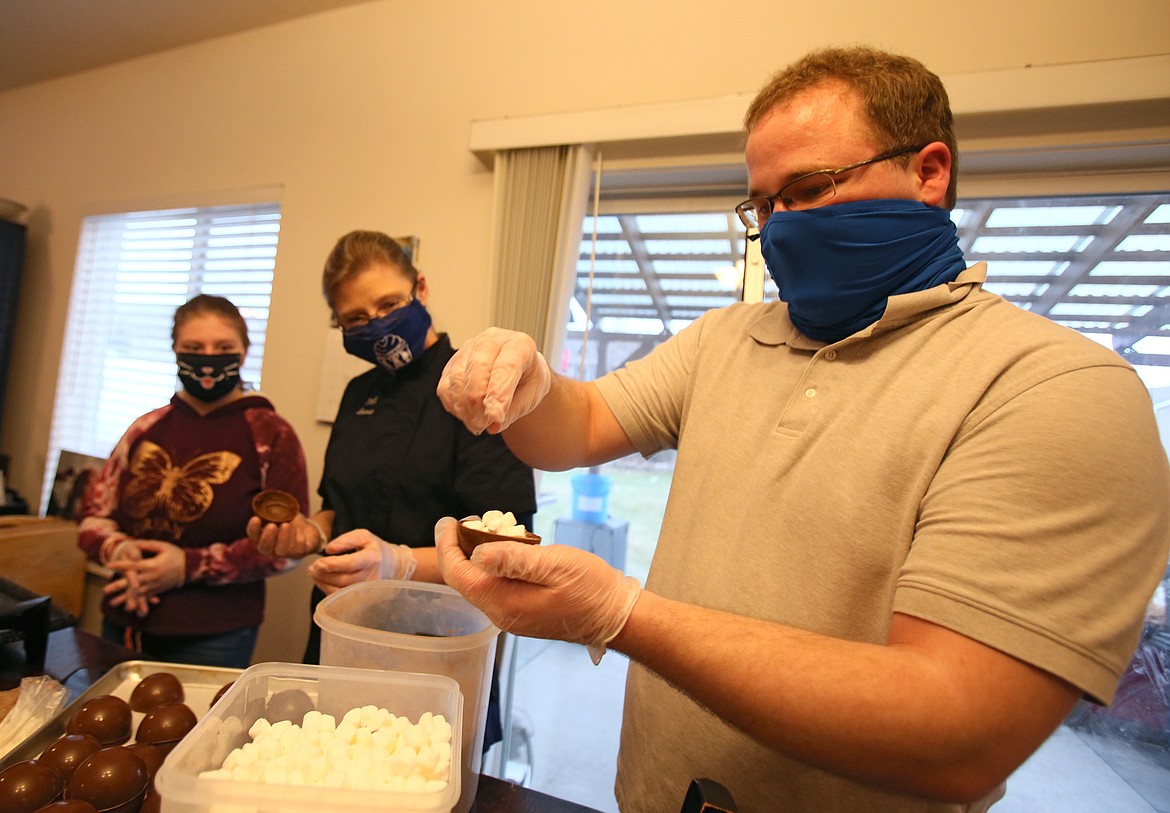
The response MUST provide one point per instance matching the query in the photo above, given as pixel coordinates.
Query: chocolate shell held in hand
(274, 505)
(471, 536)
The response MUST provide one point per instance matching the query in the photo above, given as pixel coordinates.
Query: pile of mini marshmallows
(497, 522)
(370, 749)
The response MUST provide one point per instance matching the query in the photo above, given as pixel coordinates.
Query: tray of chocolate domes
(139, 689)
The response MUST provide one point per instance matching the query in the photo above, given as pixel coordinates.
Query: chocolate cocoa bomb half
(106, 717)
(161, 687)
(69, 751)
(28, 785)
(110, 779)
(166, 724)
(274, 505)
(472, 538)
(290, 704)
(69, 806)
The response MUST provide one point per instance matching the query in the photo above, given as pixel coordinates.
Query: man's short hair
(905, 103)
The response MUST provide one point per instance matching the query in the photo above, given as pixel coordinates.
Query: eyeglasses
(807, 191)
(360, 320)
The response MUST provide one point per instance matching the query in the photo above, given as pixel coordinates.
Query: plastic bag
(41, 698)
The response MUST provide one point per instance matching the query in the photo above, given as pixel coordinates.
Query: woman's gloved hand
(543, 591)
(359, 556)
(288, 540)
(493, 380)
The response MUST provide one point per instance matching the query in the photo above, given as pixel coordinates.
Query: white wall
(361, 118)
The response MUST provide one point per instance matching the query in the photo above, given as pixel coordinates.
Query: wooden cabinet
(42, 555)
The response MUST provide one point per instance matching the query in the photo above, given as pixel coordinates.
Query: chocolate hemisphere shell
(152, 757)
(109, 779)
(152, 803)
(29, 785)
(69, 806)
(166, 723)
(69, 751)
(222, 691)
(105, 717)
(273, 505)
(290, 704)
(161, 687)
(471, 538)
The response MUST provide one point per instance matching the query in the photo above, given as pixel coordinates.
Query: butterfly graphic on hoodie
(184, 492)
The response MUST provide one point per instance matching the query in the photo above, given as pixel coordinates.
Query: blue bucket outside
(591, 497)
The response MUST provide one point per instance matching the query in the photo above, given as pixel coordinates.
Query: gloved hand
(361, 556)
(493, 380)
(542, 591)
(289, 540)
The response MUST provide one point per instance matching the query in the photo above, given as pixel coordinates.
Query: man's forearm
(571, 427)
(921, 718)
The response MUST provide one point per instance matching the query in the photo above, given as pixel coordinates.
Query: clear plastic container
(417, 627)
(334, 690)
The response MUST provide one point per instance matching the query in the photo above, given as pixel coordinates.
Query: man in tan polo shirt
(910, 524)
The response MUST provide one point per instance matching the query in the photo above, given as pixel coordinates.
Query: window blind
(133, 270)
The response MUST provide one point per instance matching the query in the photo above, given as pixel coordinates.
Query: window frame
(133, 269)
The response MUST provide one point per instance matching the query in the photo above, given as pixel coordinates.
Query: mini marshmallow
(415, 737)
(497, 522)
(370, 749)
(345, 732)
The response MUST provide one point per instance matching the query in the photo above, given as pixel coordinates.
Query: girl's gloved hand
(543, 591)
(359, 556)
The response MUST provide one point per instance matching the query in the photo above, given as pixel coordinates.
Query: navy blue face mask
(837, 266)
(391, 341)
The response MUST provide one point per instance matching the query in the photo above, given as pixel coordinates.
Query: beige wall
(360, 117)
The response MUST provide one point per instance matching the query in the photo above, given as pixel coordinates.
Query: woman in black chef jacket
(397, 461)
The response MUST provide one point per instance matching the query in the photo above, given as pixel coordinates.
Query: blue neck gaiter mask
(837, 266)
(392, 341)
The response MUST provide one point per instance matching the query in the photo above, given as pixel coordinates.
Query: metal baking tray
(200, 684)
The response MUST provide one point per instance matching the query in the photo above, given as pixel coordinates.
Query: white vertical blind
(540, 200)
(133, 270)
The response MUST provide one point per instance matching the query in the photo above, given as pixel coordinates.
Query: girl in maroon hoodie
(168, 511)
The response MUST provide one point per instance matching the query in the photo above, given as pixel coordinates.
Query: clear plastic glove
(493, 380)
(154, 568)
(360, 556)
(542, 591)
(288, 540)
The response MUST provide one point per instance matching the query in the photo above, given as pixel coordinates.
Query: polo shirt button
(811, 392)
(830, 354)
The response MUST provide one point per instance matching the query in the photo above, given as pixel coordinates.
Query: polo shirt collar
(773, 327)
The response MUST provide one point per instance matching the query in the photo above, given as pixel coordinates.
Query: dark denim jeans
(229, 649)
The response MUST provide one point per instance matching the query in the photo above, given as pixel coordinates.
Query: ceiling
(46, 39)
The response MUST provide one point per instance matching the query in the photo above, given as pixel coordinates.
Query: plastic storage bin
(417, 627)
(334, 690)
